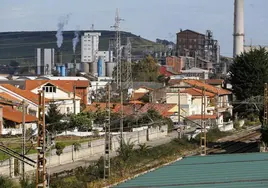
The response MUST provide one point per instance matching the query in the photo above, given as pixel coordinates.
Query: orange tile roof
(115, 107)
(197, 92)
(65, 85)
(214, 81)
(16, 116)
(198, 116)
(161, 108)
(8, 97)
(199, 84)
(23, 93)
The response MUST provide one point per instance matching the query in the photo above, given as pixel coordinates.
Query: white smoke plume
(63, 21)
(75, 40)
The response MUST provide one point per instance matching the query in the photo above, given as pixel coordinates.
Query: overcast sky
(149, 18)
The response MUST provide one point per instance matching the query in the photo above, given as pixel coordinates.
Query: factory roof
(227, 170)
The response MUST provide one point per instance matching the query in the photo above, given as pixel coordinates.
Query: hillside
(20, 46)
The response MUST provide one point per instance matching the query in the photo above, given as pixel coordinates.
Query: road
(87, 162)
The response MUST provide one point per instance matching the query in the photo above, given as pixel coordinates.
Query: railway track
(237, 145)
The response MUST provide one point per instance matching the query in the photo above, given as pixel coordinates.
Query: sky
(150, 19)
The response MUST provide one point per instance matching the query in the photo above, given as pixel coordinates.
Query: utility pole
(107, 165)
(74, 96)
(179, 111)
(265, 111)
(203, 140)
(41, 180)
(23, 139)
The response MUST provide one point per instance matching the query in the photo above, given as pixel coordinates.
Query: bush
(213, 135)
(59, 148)
(7, 182)
(237, 125)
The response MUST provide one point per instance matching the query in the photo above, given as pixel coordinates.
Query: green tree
(81, 121)
(53, 119)
(146, 70)
(264, 128)
(59, 148)
(248, 73)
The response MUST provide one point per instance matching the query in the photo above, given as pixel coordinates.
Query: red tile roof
(199, 84)
(163, 70)
(197, 92)
(23, 93)
(115, 107)
(16, 116)
(161, 108)
(198, 116)
(136, 102)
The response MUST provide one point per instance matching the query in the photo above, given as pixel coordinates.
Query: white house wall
(54, 96)
(65, 100)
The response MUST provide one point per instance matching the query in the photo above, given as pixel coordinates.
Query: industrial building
(45, 61)
(92, 60)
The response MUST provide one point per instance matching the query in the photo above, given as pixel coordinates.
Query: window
(49, 89)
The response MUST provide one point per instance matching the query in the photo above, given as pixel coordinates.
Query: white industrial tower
(238, 27)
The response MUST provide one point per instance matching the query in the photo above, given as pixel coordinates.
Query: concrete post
(11, 167)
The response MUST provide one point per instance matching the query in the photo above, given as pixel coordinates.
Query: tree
(248, 73)
(53, 119)
(59, 148)
(146, 70)
(81, 121)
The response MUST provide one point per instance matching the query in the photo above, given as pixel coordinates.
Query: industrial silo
(58, 69)
(62, 71)
(110, 68)
(100, 64)
(93, 67)
(85, 67)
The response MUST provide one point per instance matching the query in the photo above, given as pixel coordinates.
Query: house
(79, 87)
(11, 120)
(216, 100)
(142, 92)
(16, 96)
(196, 72)
(62, 92)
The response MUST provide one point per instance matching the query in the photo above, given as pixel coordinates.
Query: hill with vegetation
(21, 46)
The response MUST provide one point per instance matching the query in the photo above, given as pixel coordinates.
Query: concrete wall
(93, 148)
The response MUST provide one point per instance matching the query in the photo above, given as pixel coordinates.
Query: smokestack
(238, 27)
